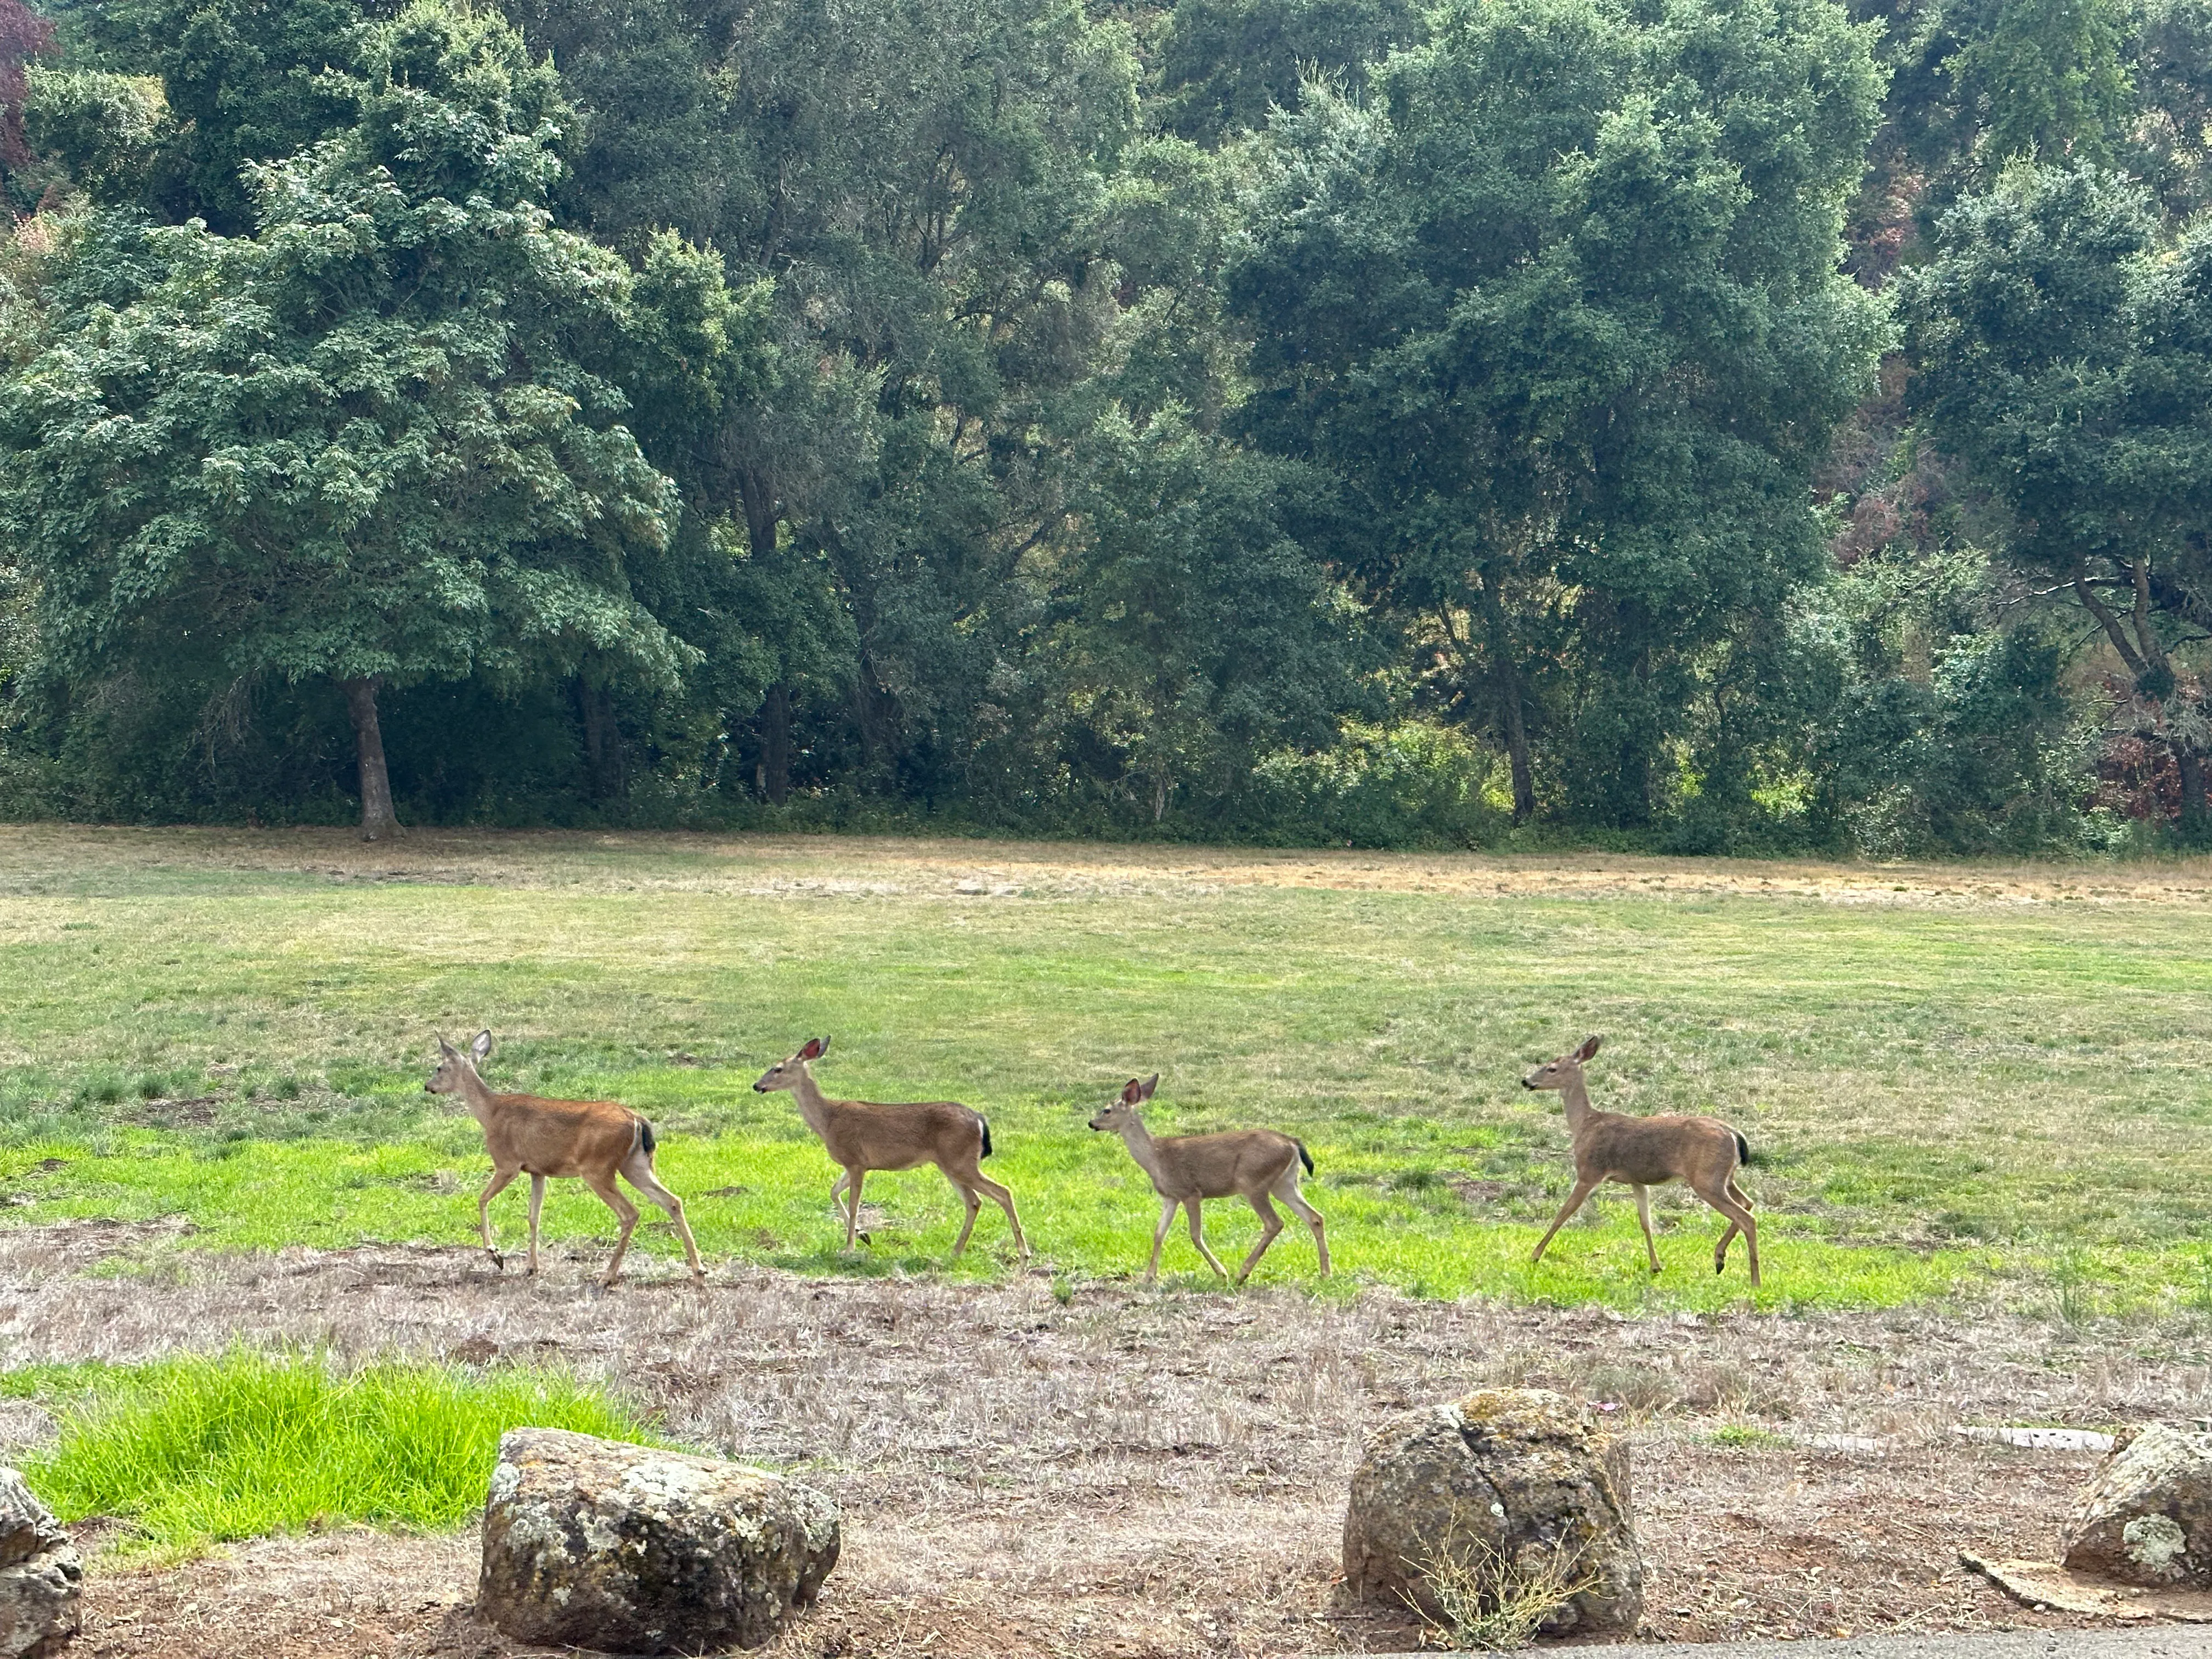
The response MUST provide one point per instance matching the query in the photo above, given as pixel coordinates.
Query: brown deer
(1646, 1152)
(861, 1136)
(593, 1141)
(1188, 1169)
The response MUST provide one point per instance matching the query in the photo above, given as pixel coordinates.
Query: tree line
(1706, 424)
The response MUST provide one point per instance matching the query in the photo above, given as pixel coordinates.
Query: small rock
(595, 1544)
(1518, 1480)
(41, 1578)
(2148, 1518)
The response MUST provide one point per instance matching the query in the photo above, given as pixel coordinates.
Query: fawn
(1646, 1152)
(1188, 1169)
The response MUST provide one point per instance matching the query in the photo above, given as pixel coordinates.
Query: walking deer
(593, 1141)
(862, 1137)
(1188, 1169)
(1648, 1151)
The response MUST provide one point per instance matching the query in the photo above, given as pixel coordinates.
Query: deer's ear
(1145, 1089)
(482, 1047)
(814, 1048)
(445, 1047)
(1131, 1092)
(1588, 1048)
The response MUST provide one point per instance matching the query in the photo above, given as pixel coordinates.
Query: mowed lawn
(1956, 1082)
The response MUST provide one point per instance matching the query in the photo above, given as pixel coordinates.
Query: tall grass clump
(202, 1449)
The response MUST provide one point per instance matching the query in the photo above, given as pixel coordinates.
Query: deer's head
(1123, 1111)
(785, 1073)
(1567, 1068)
(452, 1063)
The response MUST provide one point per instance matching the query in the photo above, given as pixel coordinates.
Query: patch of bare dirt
(38, 857)
(1134, 1473)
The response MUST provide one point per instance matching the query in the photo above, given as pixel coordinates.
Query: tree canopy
(1711, 422)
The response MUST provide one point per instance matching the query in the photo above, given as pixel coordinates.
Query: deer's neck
(1138, 1139)
(475, 1095)
(1575, 1095)
(813, 1105)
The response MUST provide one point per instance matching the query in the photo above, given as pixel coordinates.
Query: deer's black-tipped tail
(985, 1122)
(1743, 1147)
(1305, 1157)
(646, 1140)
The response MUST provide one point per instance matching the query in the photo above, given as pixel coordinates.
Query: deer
(1188, 1169)
(1644, 1152)
(593, 1141)
(862, 1137)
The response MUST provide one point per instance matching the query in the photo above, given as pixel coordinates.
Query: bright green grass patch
(1089, 1213)
(201, 1450)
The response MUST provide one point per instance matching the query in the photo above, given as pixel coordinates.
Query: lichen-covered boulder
(1506, 1487)
(592, 1543)
(41, 1578)
(2147, 1519)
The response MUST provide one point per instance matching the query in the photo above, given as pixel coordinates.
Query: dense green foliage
(1293, 419)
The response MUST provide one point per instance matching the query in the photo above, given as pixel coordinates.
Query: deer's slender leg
(852, 1180)
(837, 1192)
(967, 1197)
(638, 1170)
(1190, 1207)
(1721, 1249)
(1737, 1210)
(1004, 1197)
(1270, 1224)
(1643, 1215)
(625, 1211)
(1159, 1237)
(493, 1189)
(1583, 1189)
(1287, 1190)
(536, 1208)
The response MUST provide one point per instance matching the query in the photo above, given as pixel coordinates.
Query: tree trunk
(378, 821)
(2196, 826)
(603, 755)
(1514, 720)
(776, 744)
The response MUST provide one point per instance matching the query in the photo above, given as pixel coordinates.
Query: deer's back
(901, 1135)
(559, 1137)
(1651, 1150)
(1220, 1165)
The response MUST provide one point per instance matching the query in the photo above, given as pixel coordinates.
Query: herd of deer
(596, 1140)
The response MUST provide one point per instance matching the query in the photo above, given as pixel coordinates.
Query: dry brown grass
(37, 856)
(1133, 1473)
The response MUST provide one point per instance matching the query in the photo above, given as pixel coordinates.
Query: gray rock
(2148, 1518)
(592, 1543)
(41, 1578)
(1508, 1483)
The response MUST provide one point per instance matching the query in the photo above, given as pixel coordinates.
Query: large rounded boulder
(592, 1543)
(41, 1578)
(1506, 1495)
(2148, 1518)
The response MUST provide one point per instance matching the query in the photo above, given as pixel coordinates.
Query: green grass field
(1949, 1093)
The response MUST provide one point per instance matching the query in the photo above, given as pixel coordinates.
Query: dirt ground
(37, 856)
(1129, 1473)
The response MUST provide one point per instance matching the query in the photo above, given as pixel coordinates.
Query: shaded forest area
(1707, 425)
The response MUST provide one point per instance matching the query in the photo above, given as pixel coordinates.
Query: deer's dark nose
(1526, 1084)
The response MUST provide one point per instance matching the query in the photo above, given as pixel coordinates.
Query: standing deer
(1188, 1169)
(594, 1140)
(861, 1136)
(1646, 1152)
